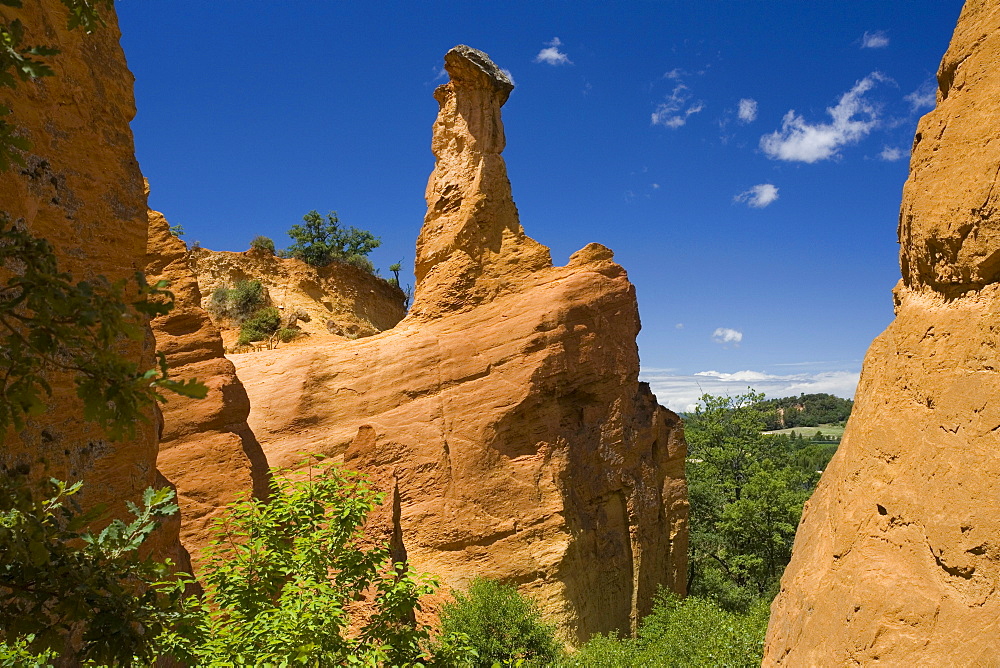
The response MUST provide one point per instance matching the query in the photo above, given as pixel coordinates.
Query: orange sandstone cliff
(82, 190)
(897, 558)
(206, 448)
(503, 415)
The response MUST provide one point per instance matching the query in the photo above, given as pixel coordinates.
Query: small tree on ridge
(321, 240)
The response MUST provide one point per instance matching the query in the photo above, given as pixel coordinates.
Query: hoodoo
(503, 415)
(896, 559)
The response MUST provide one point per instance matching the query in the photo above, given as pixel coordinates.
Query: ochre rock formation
(82, 190)
(339, 298)
(897, 558)
(503, 416)
(206, 448)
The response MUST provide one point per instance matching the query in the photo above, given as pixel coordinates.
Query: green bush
(260, 325)
(262, 243)
(286, 334)
(682, 633)
(361, 262)
(290, 580)
(246, 298)
(500, 625)
(237, 303)
(285, 576)
(219, 303)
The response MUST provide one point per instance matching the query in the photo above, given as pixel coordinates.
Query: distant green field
(825, 429)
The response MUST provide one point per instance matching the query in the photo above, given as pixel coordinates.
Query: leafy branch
(59, 582)
(49, 323)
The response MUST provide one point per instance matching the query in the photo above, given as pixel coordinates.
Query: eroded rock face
(206, 448)
(503, 416)
(896, 560)
(338, 299)
(82, 190)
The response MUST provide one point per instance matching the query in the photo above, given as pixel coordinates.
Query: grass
(825, 429)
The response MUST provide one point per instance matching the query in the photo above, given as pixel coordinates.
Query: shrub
(287, 576)
(500, 624)
(64, 589)
(262, 243)
(286, 334)
(260, 325)
(683, 632)
(290, 581)
(238, 303)
(246, 298)
(219, 303)
(361, 262)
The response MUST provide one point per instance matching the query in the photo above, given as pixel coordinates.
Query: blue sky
(744, 159)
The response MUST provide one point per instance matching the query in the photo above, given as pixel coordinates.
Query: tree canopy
(746, 490)
(806, 410)
(320, 240)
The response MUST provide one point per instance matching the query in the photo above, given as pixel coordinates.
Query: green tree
(395, 268)
(502, 626)
(286, 578)
(319, 241)
(746, 500)
(683, 633)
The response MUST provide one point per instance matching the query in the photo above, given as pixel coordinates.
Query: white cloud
(726, 335)
(679, 325)
(748, 110)
(551, 55)
(671, 113)
(874, 40)
(509, 75)
(799, 141)
(656, 186)
(681, 392)
(891, 154)
(925, 97)
(759, 196)
(674, 74)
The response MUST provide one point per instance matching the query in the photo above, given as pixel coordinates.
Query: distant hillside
(806, 410)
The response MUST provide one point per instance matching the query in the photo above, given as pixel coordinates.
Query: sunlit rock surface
(503, 415)
(897, 558)
(206, 448)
